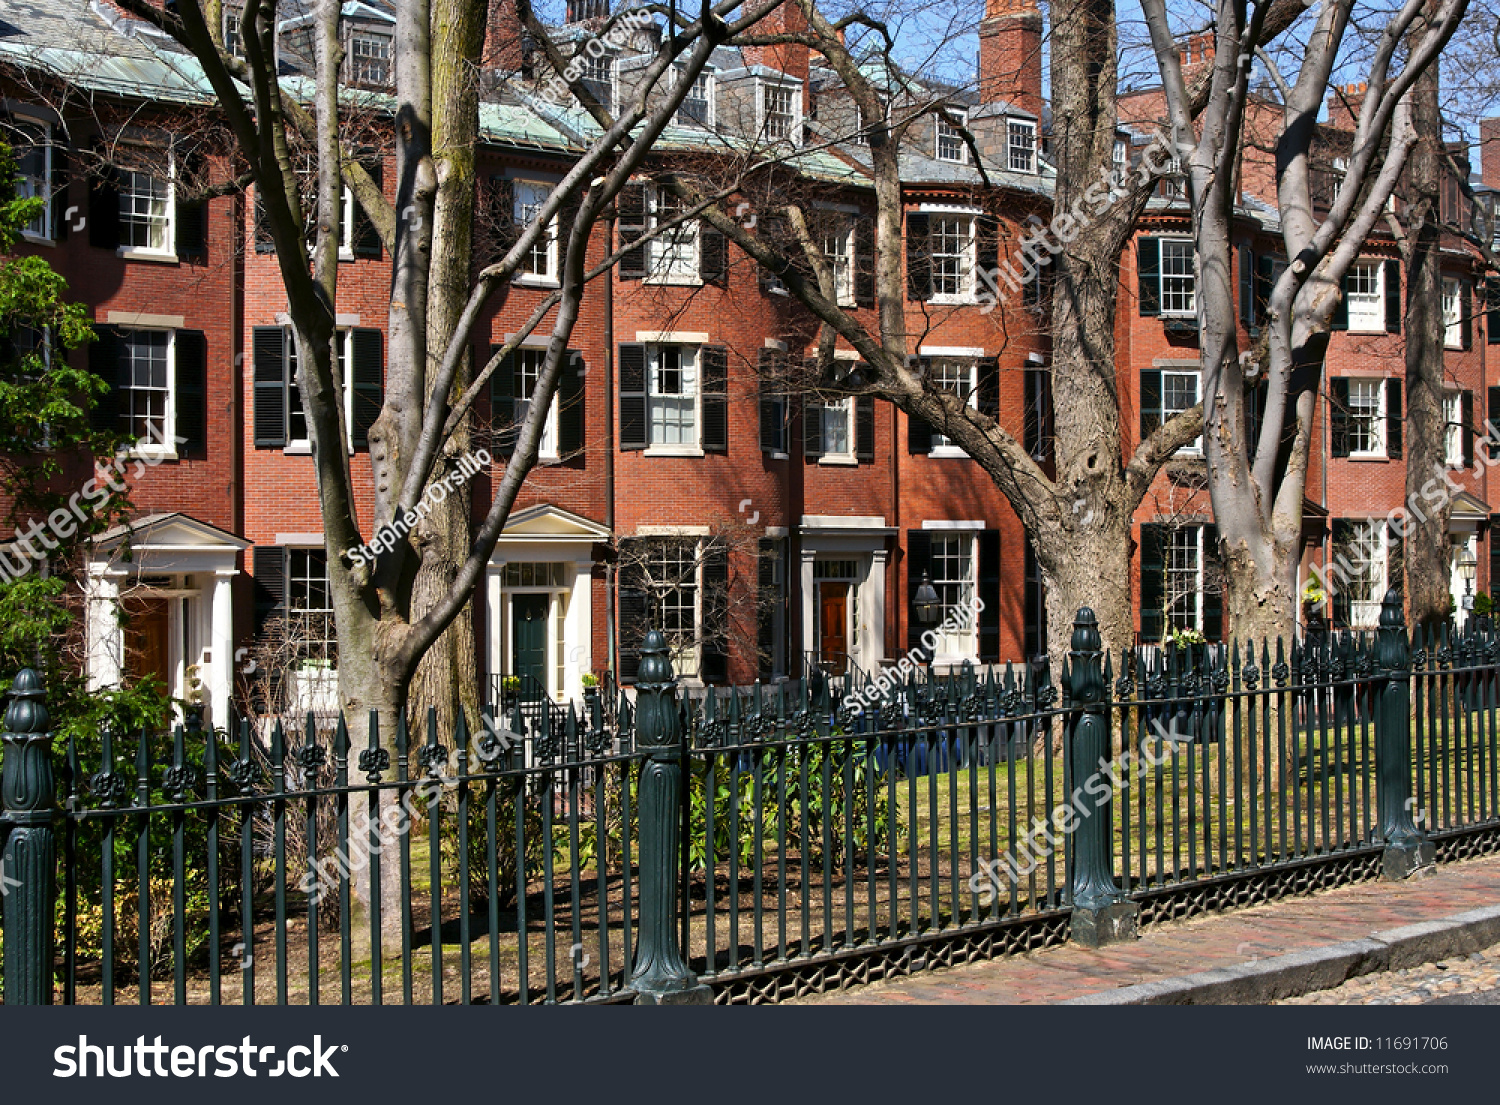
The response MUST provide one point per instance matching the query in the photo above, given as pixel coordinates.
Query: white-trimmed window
(370, 60)
(1020, 145)
(146, 406)
(33, 151)
(1183, 582)
(952, 573)
(957, 376)
(1365, 296)
(1453, 312)
(1453, 428)
(952, 241)
(529, 366)
(672, 257)
(950, 140)
(1179, 285)
(298, 436)
(1361, 552)
(673, 573)
(672, 396)
(698, 105)
(147, 208)
(838, 248)
(838, 429)
(1122, 154)
(541, 261)
(598, 77)
(1179, 392)
(780, 112)
(234, 42)
(310, 608)
(1366, 421)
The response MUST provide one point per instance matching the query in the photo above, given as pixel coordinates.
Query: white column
(494, 622)
(106, 637)
(220, 682)
(578, 635)
(872, 613)
(809, 614)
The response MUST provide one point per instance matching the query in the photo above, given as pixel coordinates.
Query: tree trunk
(1426, 528)
(1087, 566)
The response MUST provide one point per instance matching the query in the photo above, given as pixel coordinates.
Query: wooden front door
(833, 626)
(147, 634)
(529, 641)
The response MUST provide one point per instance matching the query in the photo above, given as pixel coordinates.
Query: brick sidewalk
(1201, 944)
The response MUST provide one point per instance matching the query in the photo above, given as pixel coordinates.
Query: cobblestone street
(1417, 986)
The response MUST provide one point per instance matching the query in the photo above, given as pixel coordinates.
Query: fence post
(1101, 914)
(29, 873)
(1408, 852)
(660, 977)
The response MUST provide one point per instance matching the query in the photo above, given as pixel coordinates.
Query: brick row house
(766, 530)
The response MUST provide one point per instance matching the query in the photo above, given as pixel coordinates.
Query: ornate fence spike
(30, 856)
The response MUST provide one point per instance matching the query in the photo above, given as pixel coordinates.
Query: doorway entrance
(833, 626)
(529, 613)
(148, 642)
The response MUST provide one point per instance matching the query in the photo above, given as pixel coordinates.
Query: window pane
(673, 395)
(951, 263)
(1366, 306)
(310, 606)
(1360, 561)
(529, 366)
(780, 114)
(952, 573)
(371, 58)
(143, 210)
(1184, 582)
(836, 438)
(530, 199)
(1177, 284)
(672, 576)
(33, 169)
(955, 377)
(1022, 147)
(950, 142)
(1366, 426)
(146, 403)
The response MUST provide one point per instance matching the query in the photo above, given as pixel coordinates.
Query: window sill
(954, 300)
(839, 461)
(1371, 329)
(673, 451)
(948, 452)
(1368, 458)
(674, 281)
(136, 253)
(346, 254)
(38, 239)
(776, 454)
(531, 280)
(150, 456)
(299, 449)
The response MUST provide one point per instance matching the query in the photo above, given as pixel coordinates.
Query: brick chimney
(789, 57)
(503, 39)
(1010, 54)
(1344, 104)
(1196, 54)
(1489, 152)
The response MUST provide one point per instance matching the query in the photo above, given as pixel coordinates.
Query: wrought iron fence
(742, 845)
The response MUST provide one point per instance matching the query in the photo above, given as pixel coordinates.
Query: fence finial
(30, 860)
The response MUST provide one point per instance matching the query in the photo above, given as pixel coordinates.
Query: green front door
(529, 641)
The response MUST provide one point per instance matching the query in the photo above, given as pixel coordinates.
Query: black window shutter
(987, 232)
(918, 429)
(261, 230)
(368, 380)
(107, 361)
(1492, 435)
(772, 404)
(918, 561)
(1492, 323)
(190, 220)
(1213, 577)
(918, 259)
(1148, 269)
(714, 372)
(987, 399)
(1494, 540)
(268, 346)
(503, 391)
(765, 614)
(192, 393)
(715, 615)
(1342, 533)
(1036, 605)
(1392, 418)
(634, 613)
(989, 594)
(104, 210)
(1340, 319)
(570, 405)
(632, 396)
(864, 262)
(1393, 297)
(1247, 286)
(1153, 581)
(1338, 415)
(364, 238)
(1395, 560)
(1466, 404)
(1150, 401)
(268, 563)
(631, 224)
(60, 180)
(713, 256)
(500, 214)
(864, 428)
(1466, 317)
(567, 215)
(812, 427)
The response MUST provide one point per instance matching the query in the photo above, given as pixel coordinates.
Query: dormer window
(950, 138)
(599, 79)
(370, 60)
(697, 105)
(234, 40)
(780, 114)
(1021, 145)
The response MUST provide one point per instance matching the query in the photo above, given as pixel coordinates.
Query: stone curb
(1312, 969)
